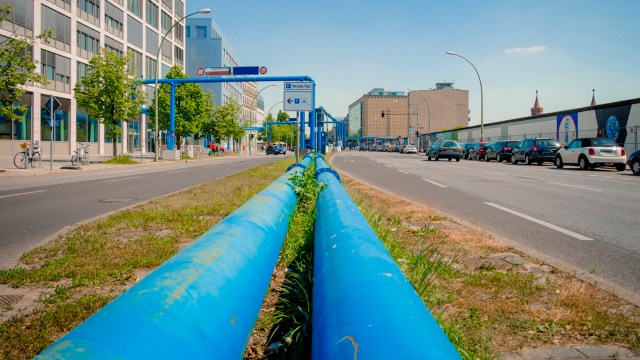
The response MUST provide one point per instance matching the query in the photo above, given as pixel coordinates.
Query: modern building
(395, 114)
(80, 28)
(208, 47)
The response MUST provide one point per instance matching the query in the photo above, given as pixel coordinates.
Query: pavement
(570, 352)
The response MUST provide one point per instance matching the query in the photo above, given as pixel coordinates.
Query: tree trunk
(115, 147)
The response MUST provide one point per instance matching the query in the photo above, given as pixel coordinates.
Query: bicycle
(28, 156)
(80, 155)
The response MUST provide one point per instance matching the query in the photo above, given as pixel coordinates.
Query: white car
(410, 149)
(589, 153)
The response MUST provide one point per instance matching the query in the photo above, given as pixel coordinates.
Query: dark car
(538, 150)
(276, 149)
(634, 162)
(445, 149)
(500, 150)
(478, 150)
(465, 149)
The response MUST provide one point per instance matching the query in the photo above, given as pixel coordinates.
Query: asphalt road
(32, 209)
(581, 220)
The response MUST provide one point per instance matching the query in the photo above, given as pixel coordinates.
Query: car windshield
(548, 143)
(512, 143)
(450, 144)
(603, 142)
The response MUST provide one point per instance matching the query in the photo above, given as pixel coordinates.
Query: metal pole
(52, 124)
(297, 136)
(481, 95)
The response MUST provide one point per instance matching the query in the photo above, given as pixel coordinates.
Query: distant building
(434, 110)
(379, 113)
(537, 109)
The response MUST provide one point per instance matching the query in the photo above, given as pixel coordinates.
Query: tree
(263, 136)
(225, 122)
(193, 108)
(110, 93)
(283, 133)
(16, 69)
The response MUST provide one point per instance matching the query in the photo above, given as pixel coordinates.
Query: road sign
(263, 70)
(297, 101)
(246, 70)
(200, 71)
(211, 71)
(298, 86)
(56, 103)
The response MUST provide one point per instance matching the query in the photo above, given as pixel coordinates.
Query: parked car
(478, 151)
(500, 150)
(538, 150)
(276, 149)
(589, 153)
(409, 149)
(465, 149)
(445, 149)
(634, 162)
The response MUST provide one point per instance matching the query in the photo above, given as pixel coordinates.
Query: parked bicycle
(80, 155)
(30, 155)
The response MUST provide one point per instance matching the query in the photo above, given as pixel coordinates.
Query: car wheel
(540, 162)
(428, 156)
(558, 162)
(621, 167)
(449, 159)
(498, 158)
(635, 167)
(436, 157)
(457, 159)
(486, 158)
(583, 163)
(513, 160)
(478, 157)
(527, 161)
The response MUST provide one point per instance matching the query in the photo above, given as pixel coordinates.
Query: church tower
(537, 109)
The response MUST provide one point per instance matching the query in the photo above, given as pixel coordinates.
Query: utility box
(173, 155)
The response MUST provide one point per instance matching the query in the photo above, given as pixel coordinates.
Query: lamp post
(428, 117)
(481, 102)
(157, 140)
(251, 120)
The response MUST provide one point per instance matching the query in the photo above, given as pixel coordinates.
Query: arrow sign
(297, 101)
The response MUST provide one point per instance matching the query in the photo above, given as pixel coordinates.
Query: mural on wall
(567, 127)
(612, 123)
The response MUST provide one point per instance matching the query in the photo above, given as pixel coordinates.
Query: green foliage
(193, 107)
(125, 159)
(110, 93)
(263, 136)
(16, 69)
(284, 133)
(225, 122)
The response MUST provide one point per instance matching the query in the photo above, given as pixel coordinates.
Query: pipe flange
(295, 166)
(326, 169)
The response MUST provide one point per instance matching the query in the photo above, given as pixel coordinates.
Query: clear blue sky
(561, 48)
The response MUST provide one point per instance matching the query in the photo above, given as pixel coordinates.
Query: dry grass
(491, 299)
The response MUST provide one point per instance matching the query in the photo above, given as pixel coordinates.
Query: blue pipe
(363, 305)
(201, 303)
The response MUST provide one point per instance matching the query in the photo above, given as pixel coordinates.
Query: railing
(363, 305)
(203, 302)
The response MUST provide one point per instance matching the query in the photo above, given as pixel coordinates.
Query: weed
(121, 159)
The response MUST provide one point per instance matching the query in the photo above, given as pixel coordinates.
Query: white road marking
(128, 178)
(402, 171)
(176, 171)
(25, 193)
(388, 166)
(435, 183)
(574, 186)
(541, 222)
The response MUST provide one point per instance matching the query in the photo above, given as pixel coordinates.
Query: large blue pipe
(363, 305)
(203, 302)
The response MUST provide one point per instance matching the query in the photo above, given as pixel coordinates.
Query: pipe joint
(326, 169)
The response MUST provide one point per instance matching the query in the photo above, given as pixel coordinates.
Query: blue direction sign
(246, 70)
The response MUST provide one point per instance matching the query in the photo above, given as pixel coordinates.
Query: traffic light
(418, 132)
(382, 113)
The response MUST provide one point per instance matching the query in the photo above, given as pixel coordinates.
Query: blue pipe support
(171, 140)
(302, 131)
(363, 305)
(201, 303)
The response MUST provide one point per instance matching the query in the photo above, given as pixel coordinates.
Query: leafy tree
(283, 133)
(193, 106)
(263, 136)
(225, 123)
(16, 69)
(110, 93)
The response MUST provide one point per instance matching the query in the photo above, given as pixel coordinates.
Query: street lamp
(251, 120)
(481, 110)
(201, 11)
(428, 116)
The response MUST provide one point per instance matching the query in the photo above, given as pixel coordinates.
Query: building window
(86, 128)
(152, 14)
(91, 7)
(135, 63)
(88, 40)
(165, 22)
(151, 66)
(59, 24)
(179, 55)
(179, 33)
(134, 32)
(201, 32)
(167, 52)
(179, 8)
(18, 129)
(152, 41)
(61, 127)
(188, 31)
(21, 13)
(134, 6)
(113, 45)
(55, 67)
(113, 19)
(82, 70)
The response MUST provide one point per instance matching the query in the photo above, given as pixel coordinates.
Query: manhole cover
(8, 300)
(104, 201)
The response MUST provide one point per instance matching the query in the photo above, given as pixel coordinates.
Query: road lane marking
(128, 178)
(574, 186)
(435, 183)
(541, 222)
(176, 171)
(402, 171)
(388, 165)
(25, 193)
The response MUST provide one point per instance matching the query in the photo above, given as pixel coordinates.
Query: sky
(562, 48)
